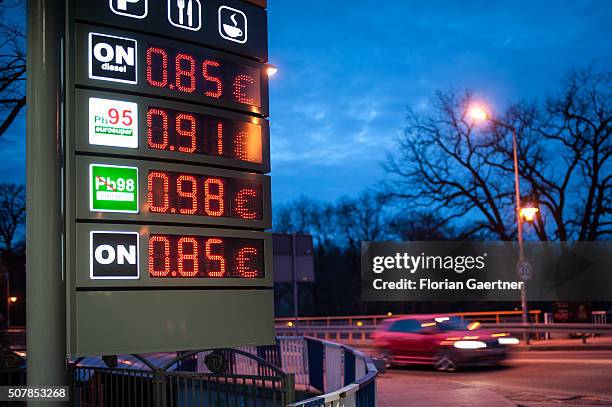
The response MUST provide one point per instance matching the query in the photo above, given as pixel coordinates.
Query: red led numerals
(204, 257)
(196, 74)
(191, 133)
(192, 194)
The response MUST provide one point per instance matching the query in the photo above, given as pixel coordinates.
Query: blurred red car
(446, 342)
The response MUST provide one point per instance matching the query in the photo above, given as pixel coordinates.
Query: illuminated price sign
(171, 256)
(193, 133)
(166, 149)
(244, 34)
(146, 191)
(189, 72)
(180, 256)
(157, 67)
(154, 128)
(202, 195)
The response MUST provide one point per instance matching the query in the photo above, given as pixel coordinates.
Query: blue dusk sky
(349, 70)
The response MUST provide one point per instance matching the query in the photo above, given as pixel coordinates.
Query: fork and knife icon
(180, 4)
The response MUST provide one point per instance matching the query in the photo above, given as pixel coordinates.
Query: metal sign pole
(295, 282)
(46, 319)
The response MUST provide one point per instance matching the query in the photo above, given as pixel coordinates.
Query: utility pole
(46, 318)
(295, 282)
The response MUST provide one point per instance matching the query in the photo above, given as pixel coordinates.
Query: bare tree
(462, 172)
(12, 213)
(12, 64)
(362, 218)
(442, 165)
(564, 157)
(305, 215)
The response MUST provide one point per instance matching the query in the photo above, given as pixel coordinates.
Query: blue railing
(343, 376)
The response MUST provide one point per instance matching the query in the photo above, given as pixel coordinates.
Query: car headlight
(508, 341)
(470, 345)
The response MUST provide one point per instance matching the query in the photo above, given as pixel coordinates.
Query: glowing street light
(529, 213)
(271, 70)
(478, 113)
(13, 299)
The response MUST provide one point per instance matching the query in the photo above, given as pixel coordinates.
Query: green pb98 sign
(113, 188)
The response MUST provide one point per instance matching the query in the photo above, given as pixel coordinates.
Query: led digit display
(203, 195)
(195, 133)
(178, 256)
(189, 73)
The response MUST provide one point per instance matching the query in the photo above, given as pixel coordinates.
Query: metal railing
(241, 378)
(266, 376)
(360, 331)
(344, 376)
(375, 320)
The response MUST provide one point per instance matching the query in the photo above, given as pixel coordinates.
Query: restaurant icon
(186, 14)
(233, 24)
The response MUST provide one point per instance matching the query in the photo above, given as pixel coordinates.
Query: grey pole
(46, 318)
(295, 283)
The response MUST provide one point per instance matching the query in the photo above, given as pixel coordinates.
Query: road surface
(537, 378)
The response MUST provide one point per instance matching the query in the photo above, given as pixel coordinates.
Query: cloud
(349, 71)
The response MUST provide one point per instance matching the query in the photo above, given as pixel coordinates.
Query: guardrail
(326, 373)
(362, 335)
(345, 376)
(375, 320)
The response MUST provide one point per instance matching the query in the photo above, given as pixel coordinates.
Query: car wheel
(387, 356)
(445, 362)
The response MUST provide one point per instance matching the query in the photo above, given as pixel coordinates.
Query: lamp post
(479, 114)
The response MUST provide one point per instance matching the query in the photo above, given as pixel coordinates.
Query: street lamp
(528, 213)
(478, 113)
(271, 70)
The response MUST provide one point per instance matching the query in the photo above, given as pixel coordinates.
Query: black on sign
(112, 58)
(114, 255)
(216, 362)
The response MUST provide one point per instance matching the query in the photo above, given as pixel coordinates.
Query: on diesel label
(112, 58)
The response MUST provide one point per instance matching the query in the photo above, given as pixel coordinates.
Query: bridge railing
(321, 371)
(344, 376)
(375, 320)
(358, 330)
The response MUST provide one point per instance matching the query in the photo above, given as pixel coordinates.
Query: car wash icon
(233, 24)
(185, 14)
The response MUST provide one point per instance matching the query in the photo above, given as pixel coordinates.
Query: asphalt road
(538, 378)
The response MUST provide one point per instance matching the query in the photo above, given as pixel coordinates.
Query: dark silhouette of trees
(12, 214)
(12, 65)
(463, 172)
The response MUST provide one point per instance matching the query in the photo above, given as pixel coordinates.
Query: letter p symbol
(122, 4)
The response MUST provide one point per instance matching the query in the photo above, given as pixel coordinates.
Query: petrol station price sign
(167, 148)
(147, 127)
(113, 59)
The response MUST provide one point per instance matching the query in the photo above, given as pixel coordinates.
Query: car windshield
(455, 324)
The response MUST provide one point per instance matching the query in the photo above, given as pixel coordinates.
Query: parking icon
(130, 8)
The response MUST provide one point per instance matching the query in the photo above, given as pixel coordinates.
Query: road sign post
(46, 314)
